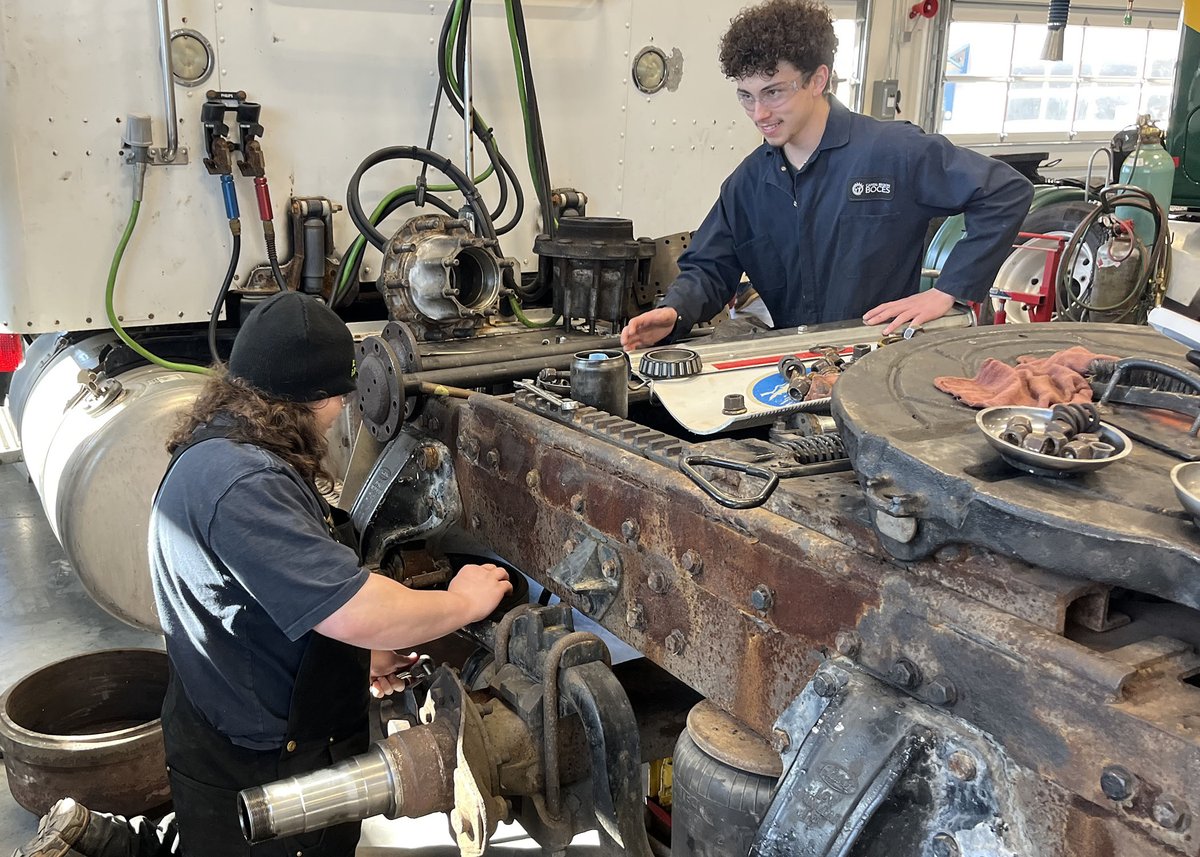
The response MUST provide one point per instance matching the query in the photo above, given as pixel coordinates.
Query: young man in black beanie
(274, 632)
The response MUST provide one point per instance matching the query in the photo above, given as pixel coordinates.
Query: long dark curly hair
(288, 429)
(760, 37)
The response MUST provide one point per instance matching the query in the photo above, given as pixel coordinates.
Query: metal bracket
(156, 156)
(592, 572)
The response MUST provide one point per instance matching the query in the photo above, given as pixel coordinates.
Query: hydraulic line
(114, 322)
(229, 194)
(433, 159)
(263, 195)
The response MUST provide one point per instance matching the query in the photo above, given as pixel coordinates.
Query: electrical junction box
(885, 99)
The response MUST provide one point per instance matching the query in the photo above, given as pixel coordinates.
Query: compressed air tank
(96, 456)
(1151, 168)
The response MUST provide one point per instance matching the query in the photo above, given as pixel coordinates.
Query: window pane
(845, 61)
(1162, 48)
(972, 108)
(980, 49)
(1027, 52)
(1035, 106)
(1113, 52)
(1156, 100)
(1106, 107)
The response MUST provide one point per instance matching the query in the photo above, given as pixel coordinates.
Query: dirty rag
(1034, 382)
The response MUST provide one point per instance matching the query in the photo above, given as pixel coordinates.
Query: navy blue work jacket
(846, 232)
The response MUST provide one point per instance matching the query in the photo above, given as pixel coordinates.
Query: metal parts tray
(932, 480)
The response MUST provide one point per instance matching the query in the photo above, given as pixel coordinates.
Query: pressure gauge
(650, 69)
(191, 58)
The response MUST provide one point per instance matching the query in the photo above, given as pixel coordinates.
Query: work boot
(58, 830)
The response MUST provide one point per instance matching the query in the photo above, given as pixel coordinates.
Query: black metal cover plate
(919, 454)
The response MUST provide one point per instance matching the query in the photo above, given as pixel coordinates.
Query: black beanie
(293, 347)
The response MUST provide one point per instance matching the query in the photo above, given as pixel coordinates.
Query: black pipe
(488, 373)
(235, 228)
(526, 352)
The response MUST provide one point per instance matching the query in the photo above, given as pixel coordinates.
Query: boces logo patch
(871, 188)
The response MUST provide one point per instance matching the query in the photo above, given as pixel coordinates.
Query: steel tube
(352, 790)
(523, 352)
(491, 373)
(164, 56)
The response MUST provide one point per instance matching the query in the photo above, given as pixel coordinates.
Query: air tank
(1151, 168)
(96, 457)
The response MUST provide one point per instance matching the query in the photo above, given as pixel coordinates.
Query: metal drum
(88, 727)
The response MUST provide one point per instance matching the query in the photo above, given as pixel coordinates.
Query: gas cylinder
(1151, 168)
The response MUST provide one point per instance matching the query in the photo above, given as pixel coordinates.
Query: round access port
(88, 727)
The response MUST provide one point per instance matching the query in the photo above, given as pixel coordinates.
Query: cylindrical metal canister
(601, 379)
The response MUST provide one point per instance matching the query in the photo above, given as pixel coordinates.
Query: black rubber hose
(535, 118)
(394, 153)
(484, 133)
(235, 227)
(400, 201)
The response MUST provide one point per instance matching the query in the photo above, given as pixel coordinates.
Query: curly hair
(760, 37)
(288, 429)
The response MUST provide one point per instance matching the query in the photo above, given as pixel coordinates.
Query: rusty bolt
(692, 563)
(586, 604)
(611, 569)
(905, 674)
(430, 460)
(944, 845)
(762, 598)
(635, 616)
(577, 503)
(675, 642)
(434, 424)
(781, 740)
(827, 683)
(847, 644)
(569, 546)
(476, 522)
(942, 691)
(961, 764)
(531, 479)
(1117, 783)
(630, 530)
(657, 581)
(1172, 813)
(493, 458)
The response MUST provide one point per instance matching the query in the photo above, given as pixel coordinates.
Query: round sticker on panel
(772, 391)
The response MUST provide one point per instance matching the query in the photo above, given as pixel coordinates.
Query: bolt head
(1172, 813)
(493, 458)
(762, 598)
(942, 691)
(586, 604)
(781, 740)
(675, 642)
(476, 522)
(630, 530)
(531, 479)
(577, 503)
(692, 563)
(635, 616)
(944, 845)
(657, 581)
(610, 569)
(826, 683)
(904, 674)
(848, 644)
(1117, 783)
(961, 765)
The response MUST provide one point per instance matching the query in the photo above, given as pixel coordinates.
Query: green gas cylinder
(1150, 167)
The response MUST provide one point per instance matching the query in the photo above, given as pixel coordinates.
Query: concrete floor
(46, 616)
